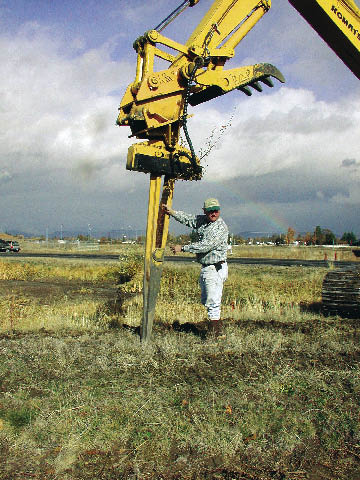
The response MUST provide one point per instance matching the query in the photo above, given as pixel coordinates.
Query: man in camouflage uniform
(211, 252)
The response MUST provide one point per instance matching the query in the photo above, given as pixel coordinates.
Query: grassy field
(81, 398)
(340, 253)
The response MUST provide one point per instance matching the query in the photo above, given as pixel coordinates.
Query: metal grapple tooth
(245, 90)
(267, 81)
(256, 86)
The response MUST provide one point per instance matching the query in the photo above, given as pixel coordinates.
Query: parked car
(12, 246)
(3, 245)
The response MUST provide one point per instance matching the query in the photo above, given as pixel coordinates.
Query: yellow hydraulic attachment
(155, 105)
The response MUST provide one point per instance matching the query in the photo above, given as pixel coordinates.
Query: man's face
(213, 215)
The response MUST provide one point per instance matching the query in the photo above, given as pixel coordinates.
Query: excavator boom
(338, 23)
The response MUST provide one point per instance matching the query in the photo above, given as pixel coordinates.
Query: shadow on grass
(314, 307)
(132, 329)
(197, 329)
(350, 312)
(345, 312)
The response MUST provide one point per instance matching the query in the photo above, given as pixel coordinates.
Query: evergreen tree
(349, 237)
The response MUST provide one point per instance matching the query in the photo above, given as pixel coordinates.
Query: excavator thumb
(215, 83)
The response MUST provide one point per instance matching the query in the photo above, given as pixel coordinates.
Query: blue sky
(289, 156)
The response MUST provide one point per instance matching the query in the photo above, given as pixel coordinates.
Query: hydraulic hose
(197, 64)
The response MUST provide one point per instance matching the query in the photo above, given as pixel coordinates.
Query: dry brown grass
(296, 252)
(82, 399)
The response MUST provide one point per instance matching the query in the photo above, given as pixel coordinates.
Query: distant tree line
(320, 236)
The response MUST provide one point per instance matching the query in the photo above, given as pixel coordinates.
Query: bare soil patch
(53, 290)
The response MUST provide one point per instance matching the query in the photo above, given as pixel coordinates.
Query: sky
(285, 157)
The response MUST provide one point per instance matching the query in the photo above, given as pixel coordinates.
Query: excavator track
(341, 292)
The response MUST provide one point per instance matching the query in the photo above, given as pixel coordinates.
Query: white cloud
(5, 176)
(289, 128)
(57, 110)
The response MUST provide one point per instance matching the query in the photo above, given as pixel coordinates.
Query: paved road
(236, 260)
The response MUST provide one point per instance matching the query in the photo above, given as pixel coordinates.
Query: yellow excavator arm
(338, 23)
(155, 103)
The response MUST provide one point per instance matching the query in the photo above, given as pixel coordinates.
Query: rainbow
(272, 220)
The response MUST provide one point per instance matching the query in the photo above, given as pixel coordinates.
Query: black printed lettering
(345, 21)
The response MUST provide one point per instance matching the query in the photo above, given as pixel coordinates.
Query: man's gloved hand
(167, 210)
(176, 249)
